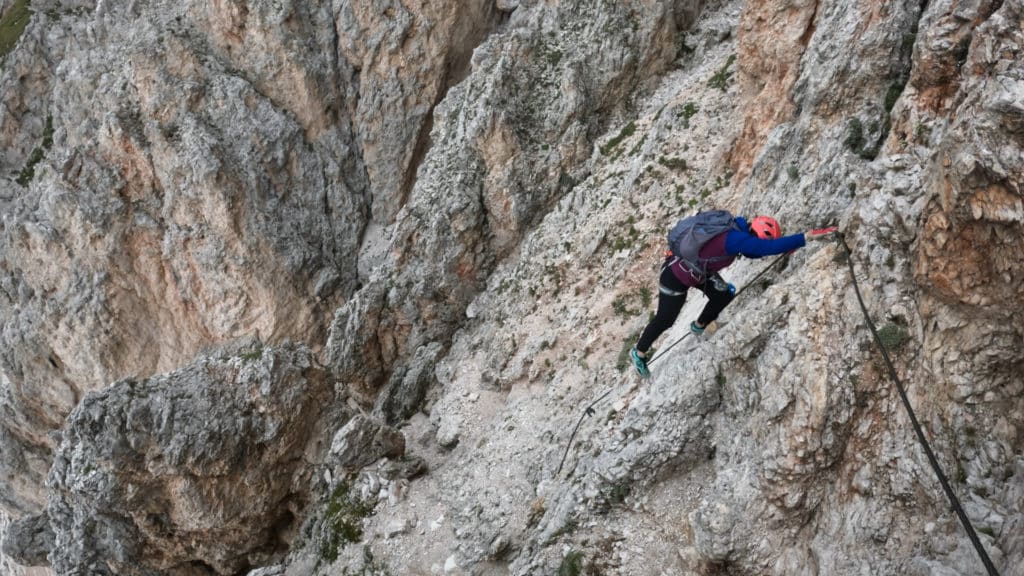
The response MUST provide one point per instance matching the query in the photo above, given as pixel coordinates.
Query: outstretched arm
(751, 246)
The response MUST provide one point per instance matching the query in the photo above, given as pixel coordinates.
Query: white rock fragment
(398, 526)
(448, 432)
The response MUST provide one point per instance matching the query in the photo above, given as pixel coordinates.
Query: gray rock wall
(507, 142)
(458, 208)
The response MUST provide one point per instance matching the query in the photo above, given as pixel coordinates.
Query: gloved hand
(719, 284)
(820, 234)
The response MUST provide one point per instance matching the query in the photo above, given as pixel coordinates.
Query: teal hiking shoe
(697, 330)
(640, 363)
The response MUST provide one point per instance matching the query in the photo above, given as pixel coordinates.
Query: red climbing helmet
(766, 227)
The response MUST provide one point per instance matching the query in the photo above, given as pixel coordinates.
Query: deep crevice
(457, 69)
(986, 14)
(281, 532)
(812, 26)
(419, 151)
(200, 568)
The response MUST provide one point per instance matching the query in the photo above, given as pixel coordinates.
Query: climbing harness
(737, 294)
(953, 500)
(589, 410)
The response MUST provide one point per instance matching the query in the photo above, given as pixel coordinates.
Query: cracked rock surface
(293, 288)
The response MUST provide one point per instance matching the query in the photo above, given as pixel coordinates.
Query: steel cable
(913, 421)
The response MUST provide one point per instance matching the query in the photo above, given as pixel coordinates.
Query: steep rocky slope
(477, 192)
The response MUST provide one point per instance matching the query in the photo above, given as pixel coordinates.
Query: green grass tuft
(38, 153)
(343, 520)
(721, 78)
(645, 297)
(688, 111)
(627, 131)
(572, 564)
(252, 355)
(570, 526)
(624, 361)
(674, 163)
(621, 307)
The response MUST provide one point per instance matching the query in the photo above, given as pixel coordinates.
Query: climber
(761, 237)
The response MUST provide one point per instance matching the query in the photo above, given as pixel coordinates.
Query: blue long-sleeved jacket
(742, 242)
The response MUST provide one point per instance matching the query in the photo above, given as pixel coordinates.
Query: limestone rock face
(20, 546)
(178, 206)
(968, 264)
(772, 39)
(777, 446)
(458, 209)
(972, 227)
(201, 471)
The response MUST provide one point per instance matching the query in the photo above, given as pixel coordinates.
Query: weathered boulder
(205, 470)
(402, 395)
(363, 441)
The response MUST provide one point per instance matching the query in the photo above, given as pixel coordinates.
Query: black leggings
(672, 296)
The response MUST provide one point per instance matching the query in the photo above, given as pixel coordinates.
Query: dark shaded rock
(29, 540)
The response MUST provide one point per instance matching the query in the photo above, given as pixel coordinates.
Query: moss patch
(855, 135)
(893, 94)
(893, 336)
(12, 25)
(627, 131)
